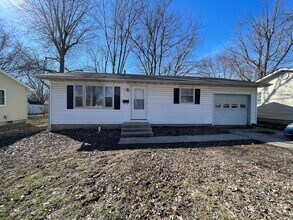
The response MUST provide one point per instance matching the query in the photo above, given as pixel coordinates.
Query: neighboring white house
(81, 99)
(35, 107)
(275, 102)
(13, 100)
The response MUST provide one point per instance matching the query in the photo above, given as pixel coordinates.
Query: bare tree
(163, 43)
(264, 43)
(217, 66)
(224, 65)
(116, 20)
(9, 53)
(60, 25)
(40, 90)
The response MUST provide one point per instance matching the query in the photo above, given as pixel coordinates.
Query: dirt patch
(83, 174)
(11, 133)
(188, 130)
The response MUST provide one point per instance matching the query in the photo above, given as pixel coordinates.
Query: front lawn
(83, 174)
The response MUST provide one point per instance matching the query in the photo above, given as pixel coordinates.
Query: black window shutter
(176, 95)
(197, 96)
(117, 97)
(69, 97)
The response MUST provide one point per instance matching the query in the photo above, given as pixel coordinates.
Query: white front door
(139, 103)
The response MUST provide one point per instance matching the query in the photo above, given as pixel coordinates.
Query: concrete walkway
(269, 136)
(265, 135)
(182, 139)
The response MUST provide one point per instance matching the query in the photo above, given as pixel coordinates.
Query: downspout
(50, 102)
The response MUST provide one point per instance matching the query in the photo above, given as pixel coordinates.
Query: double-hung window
(2, 97)
(94, 96)
(78, 96)
(109, 96)
(186, 95)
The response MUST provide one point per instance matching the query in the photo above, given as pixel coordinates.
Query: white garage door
(231, 110)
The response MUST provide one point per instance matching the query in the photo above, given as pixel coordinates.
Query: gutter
(166, 81)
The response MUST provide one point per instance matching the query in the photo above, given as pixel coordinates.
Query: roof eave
(17, 81)
(169, 82)
(274, 73)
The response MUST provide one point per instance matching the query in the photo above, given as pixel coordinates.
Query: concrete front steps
(136, 129)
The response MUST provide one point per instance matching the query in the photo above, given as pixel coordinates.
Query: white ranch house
(80, 99)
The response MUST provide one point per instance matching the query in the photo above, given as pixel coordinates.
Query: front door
(139, 103)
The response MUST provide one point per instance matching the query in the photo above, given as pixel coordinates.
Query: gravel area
(83, 174)
(189, 130)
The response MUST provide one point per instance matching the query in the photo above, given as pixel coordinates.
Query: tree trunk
(62, 64)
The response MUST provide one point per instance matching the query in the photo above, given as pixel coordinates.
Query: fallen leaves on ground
(84, 174)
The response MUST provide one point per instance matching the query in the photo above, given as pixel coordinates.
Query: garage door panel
(231, 110)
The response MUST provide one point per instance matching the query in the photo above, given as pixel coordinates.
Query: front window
(186, 96)
(95, 96)
(2, 97)
(108, 96)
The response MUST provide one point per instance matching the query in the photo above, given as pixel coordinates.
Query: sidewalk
(273, 137)
(182, 139)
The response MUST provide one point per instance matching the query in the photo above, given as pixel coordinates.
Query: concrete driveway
(270, 136)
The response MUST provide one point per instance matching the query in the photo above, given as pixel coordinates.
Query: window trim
(187, 103)
(5, 98)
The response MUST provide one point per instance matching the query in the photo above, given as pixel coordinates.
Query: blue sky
(218, 17)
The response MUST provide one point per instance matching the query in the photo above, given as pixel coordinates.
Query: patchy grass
(11, 133)
(83, 174)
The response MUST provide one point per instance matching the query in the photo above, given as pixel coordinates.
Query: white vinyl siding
(277, 100)
(87, 115)
(159, 103)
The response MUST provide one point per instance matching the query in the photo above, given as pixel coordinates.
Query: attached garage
(231, 109)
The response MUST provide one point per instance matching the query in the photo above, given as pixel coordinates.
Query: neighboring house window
(186, 95)
(2, 97)
(78, 96)
(259, 98)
